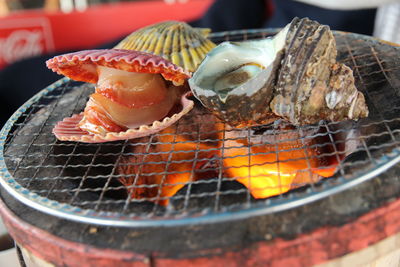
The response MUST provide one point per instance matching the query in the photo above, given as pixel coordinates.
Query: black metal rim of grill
(389, 151)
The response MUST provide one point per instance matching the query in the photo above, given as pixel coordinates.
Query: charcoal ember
(273, 159)
(133, 169)
(200, 124)
(164, 163)
(203, 195)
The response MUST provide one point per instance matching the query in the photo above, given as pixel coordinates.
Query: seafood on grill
(293, 75)
(175, 41)
(136, 94)
(141, 84)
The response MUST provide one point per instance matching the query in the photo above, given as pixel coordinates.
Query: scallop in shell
(136, 94)
(175, 41)
(293, 75)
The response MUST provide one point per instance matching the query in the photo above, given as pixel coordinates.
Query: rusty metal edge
(62, 252)
(321, 245)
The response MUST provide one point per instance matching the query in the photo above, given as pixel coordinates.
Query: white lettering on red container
(21, 44)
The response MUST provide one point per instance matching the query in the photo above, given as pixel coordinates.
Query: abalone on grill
(293, 75)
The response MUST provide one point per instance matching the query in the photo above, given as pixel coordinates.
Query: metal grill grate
(128, 183)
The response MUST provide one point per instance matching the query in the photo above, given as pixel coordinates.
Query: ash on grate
(203, 197)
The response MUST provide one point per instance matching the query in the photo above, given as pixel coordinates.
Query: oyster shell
(293, 75)
(236, 80)
(173, 40)
(137, 94)
(311, 85)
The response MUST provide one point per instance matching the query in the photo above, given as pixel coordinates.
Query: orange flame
(161, 175)
(265, 169)
(164, 168)
(268, 170)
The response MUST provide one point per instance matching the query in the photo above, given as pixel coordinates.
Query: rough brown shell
(293, 75)
(311, 85)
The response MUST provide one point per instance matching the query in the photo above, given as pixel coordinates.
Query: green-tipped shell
(175, 41)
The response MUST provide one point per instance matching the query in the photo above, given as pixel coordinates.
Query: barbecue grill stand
(336, 210)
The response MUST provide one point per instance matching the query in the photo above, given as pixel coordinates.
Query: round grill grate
(129, 183)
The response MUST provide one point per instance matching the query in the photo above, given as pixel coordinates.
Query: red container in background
(25, 34)
(23, 38)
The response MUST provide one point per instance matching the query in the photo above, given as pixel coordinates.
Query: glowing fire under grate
(200, 166)
(268, 160)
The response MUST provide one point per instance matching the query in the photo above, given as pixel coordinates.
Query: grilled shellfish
(293, 75)
(136, 94)
(175, 41)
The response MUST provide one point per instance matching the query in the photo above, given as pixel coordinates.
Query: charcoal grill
(79, 183)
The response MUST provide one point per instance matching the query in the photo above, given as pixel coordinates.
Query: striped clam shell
(81, 66)
(175, 41)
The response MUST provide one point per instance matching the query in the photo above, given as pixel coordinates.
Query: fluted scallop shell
(68, 129)
(82, 66)
(175, 41)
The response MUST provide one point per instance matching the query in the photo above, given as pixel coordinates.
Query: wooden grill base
(320, 245)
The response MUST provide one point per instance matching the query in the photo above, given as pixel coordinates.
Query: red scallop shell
(68, 129)
(81, 66)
